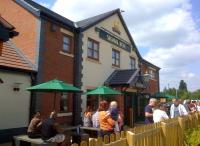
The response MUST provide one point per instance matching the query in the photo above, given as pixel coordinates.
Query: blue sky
(167, 33)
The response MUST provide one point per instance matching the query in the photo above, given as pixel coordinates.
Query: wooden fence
(112, 140)
(167, 133)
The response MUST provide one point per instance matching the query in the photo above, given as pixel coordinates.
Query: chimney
(1, 47)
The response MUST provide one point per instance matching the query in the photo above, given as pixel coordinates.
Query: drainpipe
(77, 77)
(33, 97)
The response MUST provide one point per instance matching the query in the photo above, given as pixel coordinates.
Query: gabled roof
(90, 22)
(122, 77)
(12, 57)
(41, 11)
(150, 64)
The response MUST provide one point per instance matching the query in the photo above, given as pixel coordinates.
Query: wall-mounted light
(16, 86)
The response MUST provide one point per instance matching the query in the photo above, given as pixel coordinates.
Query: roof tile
(13, 58)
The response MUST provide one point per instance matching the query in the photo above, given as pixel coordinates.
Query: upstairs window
(93, 49)
(132, 63)
(66, 44)
(115, 58)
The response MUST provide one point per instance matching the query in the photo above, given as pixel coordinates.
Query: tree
(182, 86)
(195, 94)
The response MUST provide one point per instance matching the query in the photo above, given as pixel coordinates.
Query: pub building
(110, 57)
(93, 52)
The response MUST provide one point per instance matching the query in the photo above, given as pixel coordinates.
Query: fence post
(181, 121)
(106, 139)
(131, 141)
(99, 141)
(83, 143)
(74, 144)
(123, 134)
(112, 138)
(164, 129)
(92, 142)
(117, 136)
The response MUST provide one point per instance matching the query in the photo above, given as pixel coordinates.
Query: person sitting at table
(105, 121)
(34, 126)
(49, 130)
(87, 117)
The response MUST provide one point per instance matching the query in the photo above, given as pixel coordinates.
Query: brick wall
(25, 23)
(56, 65)
(153, 83)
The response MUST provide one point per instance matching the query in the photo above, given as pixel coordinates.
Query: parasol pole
(99, 98)
(54, 101)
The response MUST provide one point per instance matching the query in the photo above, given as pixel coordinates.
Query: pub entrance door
(134, 108)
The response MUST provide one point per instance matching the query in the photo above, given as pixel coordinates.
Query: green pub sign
(113, 39)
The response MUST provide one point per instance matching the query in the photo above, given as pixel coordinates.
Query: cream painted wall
(14, 105)
(95, 73)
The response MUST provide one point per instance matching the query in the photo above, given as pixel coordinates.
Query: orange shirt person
(106, 122)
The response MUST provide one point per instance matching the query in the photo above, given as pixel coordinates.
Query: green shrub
(192, 136)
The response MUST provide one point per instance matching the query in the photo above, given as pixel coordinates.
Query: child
(114, 113)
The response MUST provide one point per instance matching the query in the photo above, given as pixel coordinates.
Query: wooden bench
(24, 140)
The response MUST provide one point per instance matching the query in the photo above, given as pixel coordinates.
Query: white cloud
(166, 27)
(45, 4)
(175, 63)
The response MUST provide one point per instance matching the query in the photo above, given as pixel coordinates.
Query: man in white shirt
(159, 114)
(177, 109)
(95, 119)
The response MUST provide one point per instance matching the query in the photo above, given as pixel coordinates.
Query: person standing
(149, 111)
(87, 117)
(177, 109)
(160, 114)
(105, 121)
(95, 119)
(198, 106)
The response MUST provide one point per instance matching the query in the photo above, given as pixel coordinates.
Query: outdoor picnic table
(67, 127)
(93, 132)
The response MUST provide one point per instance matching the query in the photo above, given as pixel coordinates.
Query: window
(66, 44)
(115, 58)
(152, 74)
(93, 49)
(63, 103)
(132, 63)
